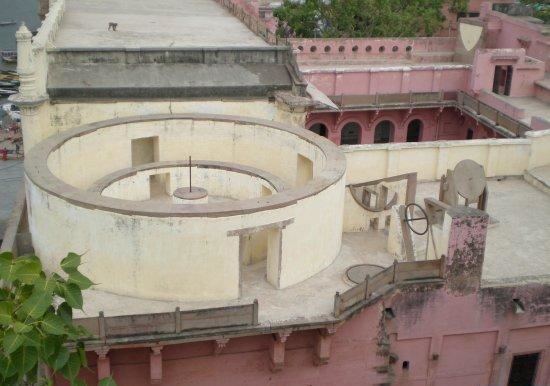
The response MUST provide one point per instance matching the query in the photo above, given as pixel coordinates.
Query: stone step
(539, 178)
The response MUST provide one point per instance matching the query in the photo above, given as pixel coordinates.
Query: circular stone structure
(91, 189)
(195, 195)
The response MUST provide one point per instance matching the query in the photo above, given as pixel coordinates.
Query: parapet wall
(499, 157)
(309, 49)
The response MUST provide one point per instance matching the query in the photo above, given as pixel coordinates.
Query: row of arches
(383, 132)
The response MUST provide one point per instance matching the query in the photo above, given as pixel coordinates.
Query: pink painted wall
(526, 70)
(447, 125)
(501, 105)
(465, 332)
(368, 48)
(542, 93)
(388, 80)
(505, 30)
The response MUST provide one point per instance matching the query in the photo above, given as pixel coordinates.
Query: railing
(397, 273)
(253, 23)
(512, 125)
(170, 322)
(378, 100)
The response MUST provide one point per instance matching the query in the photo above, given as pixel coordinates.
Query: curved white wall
(165, 251)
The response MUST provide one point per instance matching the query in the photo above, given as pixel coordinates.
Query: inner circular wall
(221, 182)
(185, 252)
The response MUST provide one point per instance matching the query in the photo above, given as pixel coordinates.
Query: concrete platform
(143, 23)
(531, 106)
(517, 252)
(518, 248)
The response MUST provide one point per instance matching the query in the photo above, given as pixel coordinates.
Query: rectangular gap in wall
(159, 185)
(523, 370)
(145, 150)
(304, 171)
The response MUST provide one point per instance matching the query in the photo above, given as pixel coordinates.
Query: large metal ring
(409, 218)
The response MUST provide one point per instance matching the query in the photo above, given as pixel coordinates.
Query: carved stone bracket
(219, 345)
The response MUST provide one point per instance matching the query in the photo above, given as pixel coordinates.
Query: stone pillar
(322, 346)
(155, 364)
(25, 62)
(465, 249)
(103, 363)
(277, 350)
(27, 99)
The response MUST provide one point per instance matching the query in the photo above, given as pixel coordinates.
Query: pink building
(400, 90)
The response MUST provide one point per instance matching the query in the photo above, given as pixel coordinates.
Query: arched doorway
(414, 130)
(319, 128)
(383, 132)
(350, 134)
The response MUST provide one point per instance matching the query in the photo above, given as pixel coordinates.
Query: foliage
(363, 18)
(36, 319)
(541, 9)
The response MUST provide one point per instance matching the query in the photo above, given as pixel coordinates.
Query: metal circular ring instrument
(409, 218)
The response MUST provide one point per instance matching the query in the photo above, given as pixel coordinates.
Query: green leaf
(7, 271)
(80, 280)
(107, 382)
(72, 367)
(37, 303)
(6, 258)
(53, 324)
(21, 328)
(32, 338)
(12, 342)
(73, 295)
(27, 270)
(6, 308)
(4, 294)
(7, 366)
(65, 312)
(49, 346)
(61, 358)
(25, 359)
(70, 263)
(45, 284)
(82, 354)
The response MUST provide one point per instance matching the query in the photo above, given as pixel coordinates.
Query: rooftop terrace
(161, 23)
(516, 252)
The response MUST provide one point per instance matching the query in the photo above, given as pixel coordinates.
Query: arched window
(414, 130)
(319, 128)
(383, 132)
(351, 134)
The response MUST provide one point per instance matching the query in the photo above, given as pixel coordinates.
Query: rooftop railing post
(442, 267)
(255, 310)
(395, 265)
(367, 278)
(337, 303)
(177, 320)
(102, 327)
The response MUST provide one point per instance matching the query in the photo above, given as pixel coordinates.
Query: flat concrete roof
(145, 23)
(518, 246)
(516, 253)
(532, 107)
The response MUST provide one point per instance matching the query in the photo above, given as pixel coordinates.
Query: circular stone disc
(358, 273)
(195, 193)
(469, 179)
